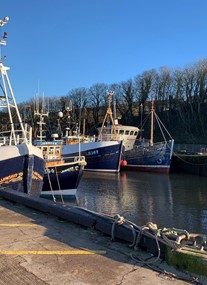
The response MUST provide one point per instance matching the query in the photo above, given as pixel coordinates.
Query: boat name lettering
(48, 143)
(50, 170)
(68, 169)
(93, 152)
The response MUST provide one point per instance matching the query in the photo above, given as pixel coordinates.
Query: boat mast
(41, 114)
(141, 109)
(7, 100)
(152, 123)
(110, 114)
(84, 124)
(114, 110)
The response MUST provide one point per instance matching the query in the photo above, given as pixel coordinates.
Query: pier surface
(40, 248)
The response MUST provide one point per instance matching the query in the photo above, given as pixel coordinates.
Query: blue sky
(68, 44)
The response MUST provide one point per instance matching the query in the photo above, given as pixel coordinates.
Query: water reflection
(168, 200)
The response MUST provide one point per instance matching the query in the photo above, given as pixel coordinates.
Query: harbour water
(174, 200)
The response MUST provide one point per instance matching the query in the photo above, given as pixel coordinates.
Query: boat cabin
(52, 150)
(126, 133)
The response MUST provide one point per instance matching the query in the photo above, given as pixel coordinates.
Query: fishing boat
(148, 155)
(61, 178)
(128, 134)
(21, 164)
(101, 155)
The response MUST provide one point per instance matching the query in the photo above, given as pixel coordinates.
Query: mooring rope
(48, 175)
(171, 237)
(58, 182)
(119, 220)
(153, 228)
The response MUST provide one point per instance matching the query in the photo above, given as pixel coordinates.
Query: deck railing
(18, 137)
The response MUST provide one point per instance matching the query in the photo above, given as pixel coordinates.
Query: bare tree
(145, 84)
(164, 85)
(178, 85)
(97, 94)
(79, 99)
(127, 91)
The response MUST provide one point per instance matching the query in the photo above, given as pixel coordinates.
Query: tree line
(180, 97)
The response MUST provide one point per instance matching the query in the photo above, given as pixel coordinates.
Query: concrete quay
(40, 248)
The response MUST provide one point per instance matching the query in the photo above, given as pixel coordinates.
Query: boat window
(121, 132)
(44, 151)
(131, 133)
(57, 151)
(126, 132)
(51, 150)
(136, 133)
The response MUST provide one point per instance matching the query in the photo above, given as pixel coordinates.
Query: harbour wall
(189, 159)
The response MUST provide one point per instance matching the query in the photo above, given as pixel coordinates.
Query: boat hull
(22, 169)
(101, 156)
(156, 158)
(62, 181)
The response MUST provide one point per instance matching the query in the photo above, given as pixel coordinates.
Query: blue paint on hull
(23, 173)
(67, 180)
(105, 159)
(156, 158)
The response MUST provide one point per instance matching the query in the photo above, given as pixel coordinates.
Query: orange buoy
(123, 163)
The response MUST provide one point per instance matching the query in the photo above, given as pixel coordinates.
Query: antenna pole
(152, 122)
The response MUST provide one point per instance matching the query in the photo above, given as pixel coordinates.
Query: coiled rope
(119, 220)
(171, 237)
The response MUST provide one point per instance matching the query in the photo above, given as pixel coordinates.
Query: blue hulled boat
(21, 164)
(101, 155)
(150, 156)
(61, 178)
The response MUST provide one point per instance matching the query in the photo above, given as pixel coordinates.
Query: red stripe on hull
(164, 170)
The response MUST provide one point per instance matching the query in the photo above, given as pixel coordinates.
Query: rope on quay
(119, 220)
(171, 237)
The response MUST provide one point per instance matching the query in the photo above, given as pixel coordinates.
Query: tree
(96, 95)
(128, 94)
(78, 98)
